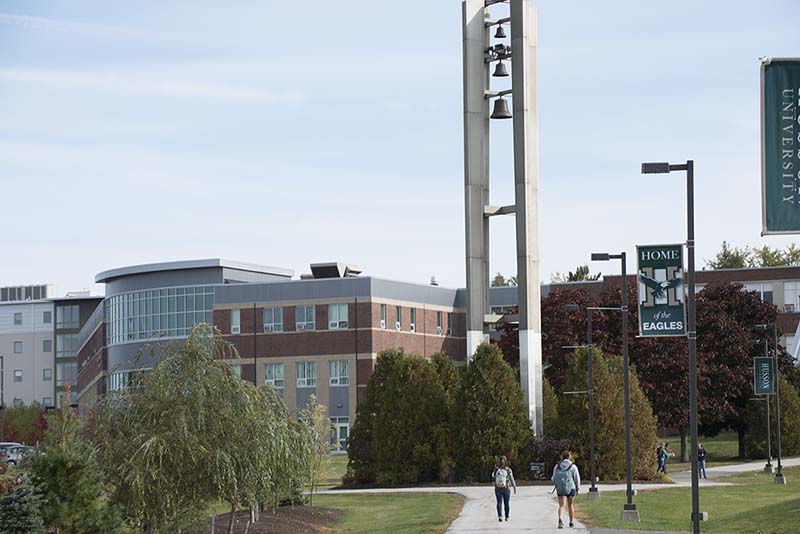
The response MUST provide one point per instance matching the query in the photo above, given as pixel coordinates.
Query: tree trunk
(231, 521)
(741, 431)
(684, 457)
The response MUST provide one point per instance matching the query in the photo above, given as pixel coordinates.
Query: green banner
(780, 146)
(764, 375)
(661, 292)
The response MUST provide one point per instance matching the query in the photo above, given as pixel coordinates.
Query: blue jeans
(662, 466)
(503, 495)
(702, 465)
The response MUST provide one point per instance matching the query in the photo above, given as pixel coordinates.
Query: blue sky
(286, 133)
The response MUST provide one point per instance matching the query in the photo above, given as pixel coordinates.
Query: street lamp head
(760, 328)
(655, 168)
(573, 307)
(600, 256)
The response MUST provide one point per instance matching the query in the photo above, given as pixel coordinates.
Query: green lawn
(721, 450)
(754, 506)
(399, 513)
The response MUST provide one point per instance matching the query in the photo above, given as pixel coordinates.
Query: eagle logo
(659, 289)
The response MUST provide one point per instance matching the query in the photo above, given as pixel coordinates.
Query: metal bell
(501, 109)
(501, 33)
(500, 71)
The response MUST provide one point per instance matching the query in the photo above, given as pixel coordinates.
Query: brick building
(319, 334)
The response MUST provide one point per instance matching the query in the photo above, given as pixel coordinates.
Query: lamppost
(594, 493)
(666, 168)
(779, 478)
(629, 511)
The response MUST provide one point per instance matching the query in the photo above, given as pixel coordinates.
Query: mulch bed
(286, 520)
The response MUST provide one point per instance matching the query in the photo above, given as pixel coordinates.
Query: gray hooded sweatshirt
(576, 476)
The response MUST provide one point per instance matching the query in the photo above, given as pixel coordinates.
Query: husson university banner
(661, 293)
(780, 146)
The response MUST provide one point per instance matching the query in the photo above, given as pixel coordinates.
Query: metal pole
(593, 493)
(692, 335)
(629, 506)
(255, 362)
(768, 467)
(779, 475)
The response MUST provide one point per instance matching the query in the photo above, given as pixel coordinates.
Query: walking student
(567, 480)
(701, 461)
(503, 482)
(662, 468)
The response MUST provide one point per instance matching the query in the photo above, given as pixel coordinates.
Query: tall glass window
(412, 322)
(398, 322)
(338, 373)
(68, 317)
(337, 316)
(169, 312)
(383, 316)
(66, 373)
(66, 345)
(236, 321)
(273, 374)
(449, 324)
(304, 318)
(306, 374)
(439, 323)
(273, 319)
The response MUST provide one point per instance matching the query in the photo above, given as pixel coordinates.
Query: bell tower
(487, 53)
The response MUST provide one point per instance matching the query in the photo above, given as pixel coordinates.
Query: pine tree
(491, 419)
(20, 503)
(70, 480)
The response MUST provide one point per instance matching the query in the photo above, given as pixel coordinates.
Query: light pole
(691, 333)
(629, 511)
(594, 493)
(779, 478)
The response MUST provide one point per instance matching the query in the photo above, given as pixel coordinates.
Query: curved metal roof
(111, 274)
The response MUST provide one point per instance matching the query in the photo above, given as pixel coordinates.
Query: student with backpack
(567, 480)
(503, 479)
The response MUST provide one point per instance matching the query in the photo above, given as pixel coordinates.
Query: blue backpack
(564, 483)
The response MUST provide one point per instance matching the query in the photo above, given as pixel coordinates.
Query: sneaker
(500, 519)
(571, 524)
(560, 524)
(506, 518)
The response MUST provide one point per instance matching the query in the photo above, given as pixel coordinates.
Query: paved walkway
(534, 508)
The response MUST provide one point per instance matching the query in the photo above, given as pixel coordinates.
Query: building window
(236, 321)
(169, 312)
(791, 297)
(17, 375)
(47, 317)
(122, 380)
(340, 431)
(47, 345)
(237, 369)
(66, 345)
(17, 319)
(383, 316)
(68, 317)
(18, 403)
(47, 374)
(338, 373)
(306, 374)
(18, 347)
(764, 290)
(412, 322)
(398, 319)
(337, 316)
(47, 401)
(66, 373)
(273, 319)
(305, 318)
(449, 324)
(273, 374)
(439, 323)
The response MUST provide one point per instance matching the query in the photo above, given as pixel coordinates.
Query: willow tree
(189, 433)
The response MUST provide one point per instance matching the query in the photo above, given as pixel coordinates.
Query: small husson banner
(661, 295)
(764, 375)
(780, 146)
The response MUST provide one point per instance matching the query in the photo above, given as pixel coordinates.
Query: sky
(285, 133)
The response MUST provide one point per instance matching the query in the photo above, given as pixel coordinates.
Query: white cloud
(56, 25)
